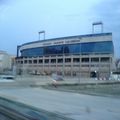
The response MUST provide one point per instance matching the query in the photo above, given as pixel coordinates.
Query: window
(53, 60)
(32, 52)
(105, 59)
(67, 59)
(34, 61)
(60, 60)
(85, 59)
(67, 65)
(94, 59)
(25, 61)
(46, 60)
(85, 48)
(21, 62)
(85, 65)
(40, 61)
(97, 47)
(30, 61)
(76, 60)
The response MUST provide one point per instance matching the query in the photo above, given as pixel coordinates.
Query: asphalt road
(3, 117)
(73, 105)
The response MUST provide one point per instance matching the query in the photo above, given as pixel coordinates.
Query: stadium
(90, 55)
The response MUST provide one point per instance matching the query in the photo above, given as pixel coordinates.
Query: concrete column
(71, 65)
(63, 69)
(43, 64)
(89, 66)
(99, 67)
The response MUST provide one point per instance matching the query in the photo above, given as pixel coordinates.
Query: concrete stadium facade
(82, 55)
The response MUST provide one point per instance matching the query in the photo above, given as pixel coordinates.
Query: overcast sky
(21, 20)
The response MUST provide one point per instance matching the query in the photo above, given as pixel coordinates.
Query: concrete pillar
(71, 65)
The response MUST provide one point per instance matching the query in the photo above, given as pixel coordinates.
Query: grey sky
(21, 20)
(109, 12)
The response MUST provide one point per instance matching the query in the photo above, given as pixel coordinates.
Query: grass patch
(103, 89)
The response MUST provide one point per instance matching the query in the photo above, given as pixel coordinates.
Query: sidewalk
(32, 80)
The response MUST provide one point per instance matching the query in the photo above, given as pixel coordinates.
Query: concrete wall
(5, 61)
(102, 68)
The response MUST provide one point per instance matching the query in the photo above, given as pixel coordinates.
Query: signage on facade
(61, 42)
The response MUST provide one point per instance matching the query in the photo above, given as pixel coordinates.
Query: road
(73, 105)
